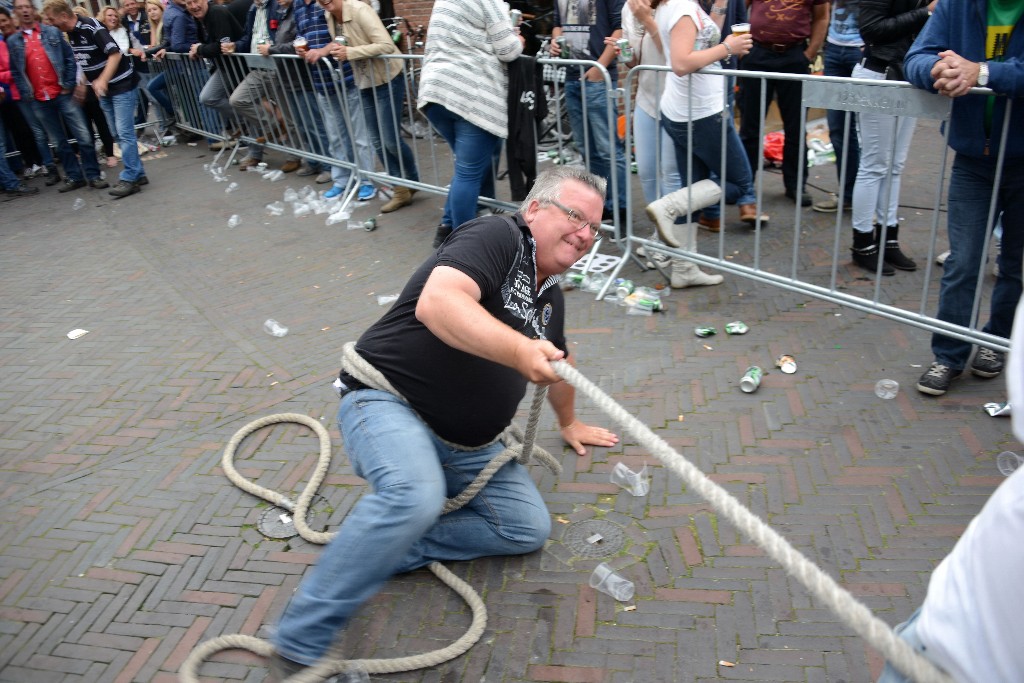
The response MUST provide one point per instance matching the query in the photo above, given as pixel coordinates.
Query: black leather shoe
(805, 199)
(71, 185)
(52, 177)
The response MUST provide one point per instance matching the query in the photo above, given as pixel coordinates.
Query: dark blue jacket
(180, 32)
(961, 26)
(58, 51)
(273, 18)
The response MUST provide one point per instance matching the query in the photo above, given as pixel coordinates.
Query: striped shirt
(93, 45)
(311, 25)
(464, 71)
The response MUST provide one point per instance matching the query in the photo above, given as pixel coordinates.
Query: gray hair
(548, 185)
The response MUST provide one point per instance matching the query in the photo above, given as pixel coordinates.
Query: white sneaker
(941, 258)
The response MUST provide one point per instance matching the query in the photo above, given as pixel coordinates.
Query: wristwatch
(983, 74)
(719, 10)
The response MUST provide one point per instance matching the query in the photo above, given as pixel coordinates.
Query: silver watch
(983, 74)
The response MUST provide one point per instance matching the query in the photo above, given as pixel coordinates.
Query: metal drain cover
(276, 522)
(580, 537)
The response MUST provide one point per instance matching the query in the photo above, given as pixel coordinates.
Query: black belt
(781, 47)
(874, 64)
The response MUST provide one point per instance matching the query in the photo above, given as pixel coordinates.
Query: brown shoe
(247, 163)
(290, 166)
(402, 197)
(710, 224)
(748, 214)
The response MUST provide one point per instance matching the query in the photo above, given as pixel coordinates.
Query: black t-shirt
(92, 45)
(466, 399)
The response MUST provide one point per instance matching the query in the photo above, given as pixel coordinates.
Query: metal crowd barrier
(291, 121)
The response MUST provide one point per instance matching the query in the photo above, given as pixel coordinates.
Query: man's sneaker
(98, 184)
(936, 380)
(248, 162)
(124, 188)
(988, 363)
(941, 258)
(305, 170)
(831, 205)
(71, 185)
(22, 190)
(52, 177)
(333, 192)
(323, 178)
(367, 192)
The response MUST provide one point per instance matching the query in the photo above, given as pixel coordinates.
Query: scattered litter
(290, 195)
(324, 329)
(709, 348)
(606, 580)
(231, 187)
(682, 418)
(998, 409)
(299, 209)
(234, 220)
(338, 217)
(272, 327)
(786, 363)
(887, 388)
(623, 287)
(629, 608)
(562, 520)
(722, 662)
(704, 331)
(385, 299)
(275, 209)
(1008, 462)
(736, 327)
(751, 379)
(78, 204)
(595, 539)
(636, 483)
(77, 332)
(274, 382)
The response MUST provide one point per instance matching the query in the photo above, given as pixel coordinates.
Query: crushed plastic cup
(887, 388)
(355, 224)
(385, 299)
(636, 483)
(274, 328)
(234, 220)
(273, 176)
(338, 217)
(606, 580)
(998, 409)
(299, 209)
(1008, 462)
(353, 674)
(231, 187)
(79, 204)
(275, 209)
(786, 363)
(290, 195)
(307, 192)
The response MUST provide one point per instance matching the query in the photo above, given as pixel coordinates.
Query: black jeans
(787, 94)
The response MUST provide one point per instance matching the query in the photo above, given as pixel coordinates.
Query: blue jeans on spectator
(8, 180)
(50, 114)
(397, 525)
(908, 632)
(332, 111)
(120, 113)
(382, 109)
(596, 137)
(28, 112)
(473, 148)
(308, 131)
(157, 89)
(655, 157)
(839, 61)
(359, 146)
(971, 185)
(706, 157)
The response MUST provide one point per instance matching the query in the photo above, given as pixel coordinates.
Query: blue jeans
(120, 113)
(8, 180)
(656, 181)
(970, 190)
(157, 89)
(50, 114)
(706, 155)
(382, 109)
(839, 61)
(332, 111)
(397, 525)
(473, 149)
(28, 112)
(596, 136)
(908, 632)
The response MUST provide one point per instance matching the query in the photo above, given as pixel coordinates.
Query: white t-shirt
(972, 621)
(707, 92)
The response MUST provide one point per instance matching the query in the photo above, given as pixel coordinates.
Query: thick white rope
(855, 615)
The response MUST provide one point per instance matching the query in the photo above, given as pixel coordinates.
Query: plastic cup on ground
(887, 388)
(606, 580)
(1008, 462)
(634, 482)
(274, 328)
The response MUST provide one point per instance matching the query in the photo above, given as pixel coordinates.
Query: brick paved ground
(122, 544)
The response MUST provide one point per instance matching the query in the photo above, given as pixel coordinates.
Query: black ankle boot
(865, 252)
(893, 255)
(442, 234)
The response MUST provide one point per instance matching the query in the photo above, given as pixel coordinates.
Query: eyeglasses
(576, 220)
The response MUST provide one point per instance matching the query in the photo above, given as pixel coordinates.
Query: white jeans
(884, 143)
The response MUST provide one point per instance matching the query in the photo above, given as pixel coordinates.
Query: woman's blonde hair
(156, 35)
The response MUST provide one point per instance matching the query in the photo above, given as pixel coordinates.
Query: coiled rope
(854, 614)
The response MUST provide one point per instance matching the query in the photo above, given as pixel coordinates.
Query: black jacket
(218, 23)
(888, 28)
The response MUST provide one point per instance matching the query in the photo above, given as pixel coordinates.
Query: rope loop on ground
(822, 586)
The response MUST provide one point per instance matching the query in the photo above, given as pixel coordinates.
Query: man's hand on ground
(579, 434)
